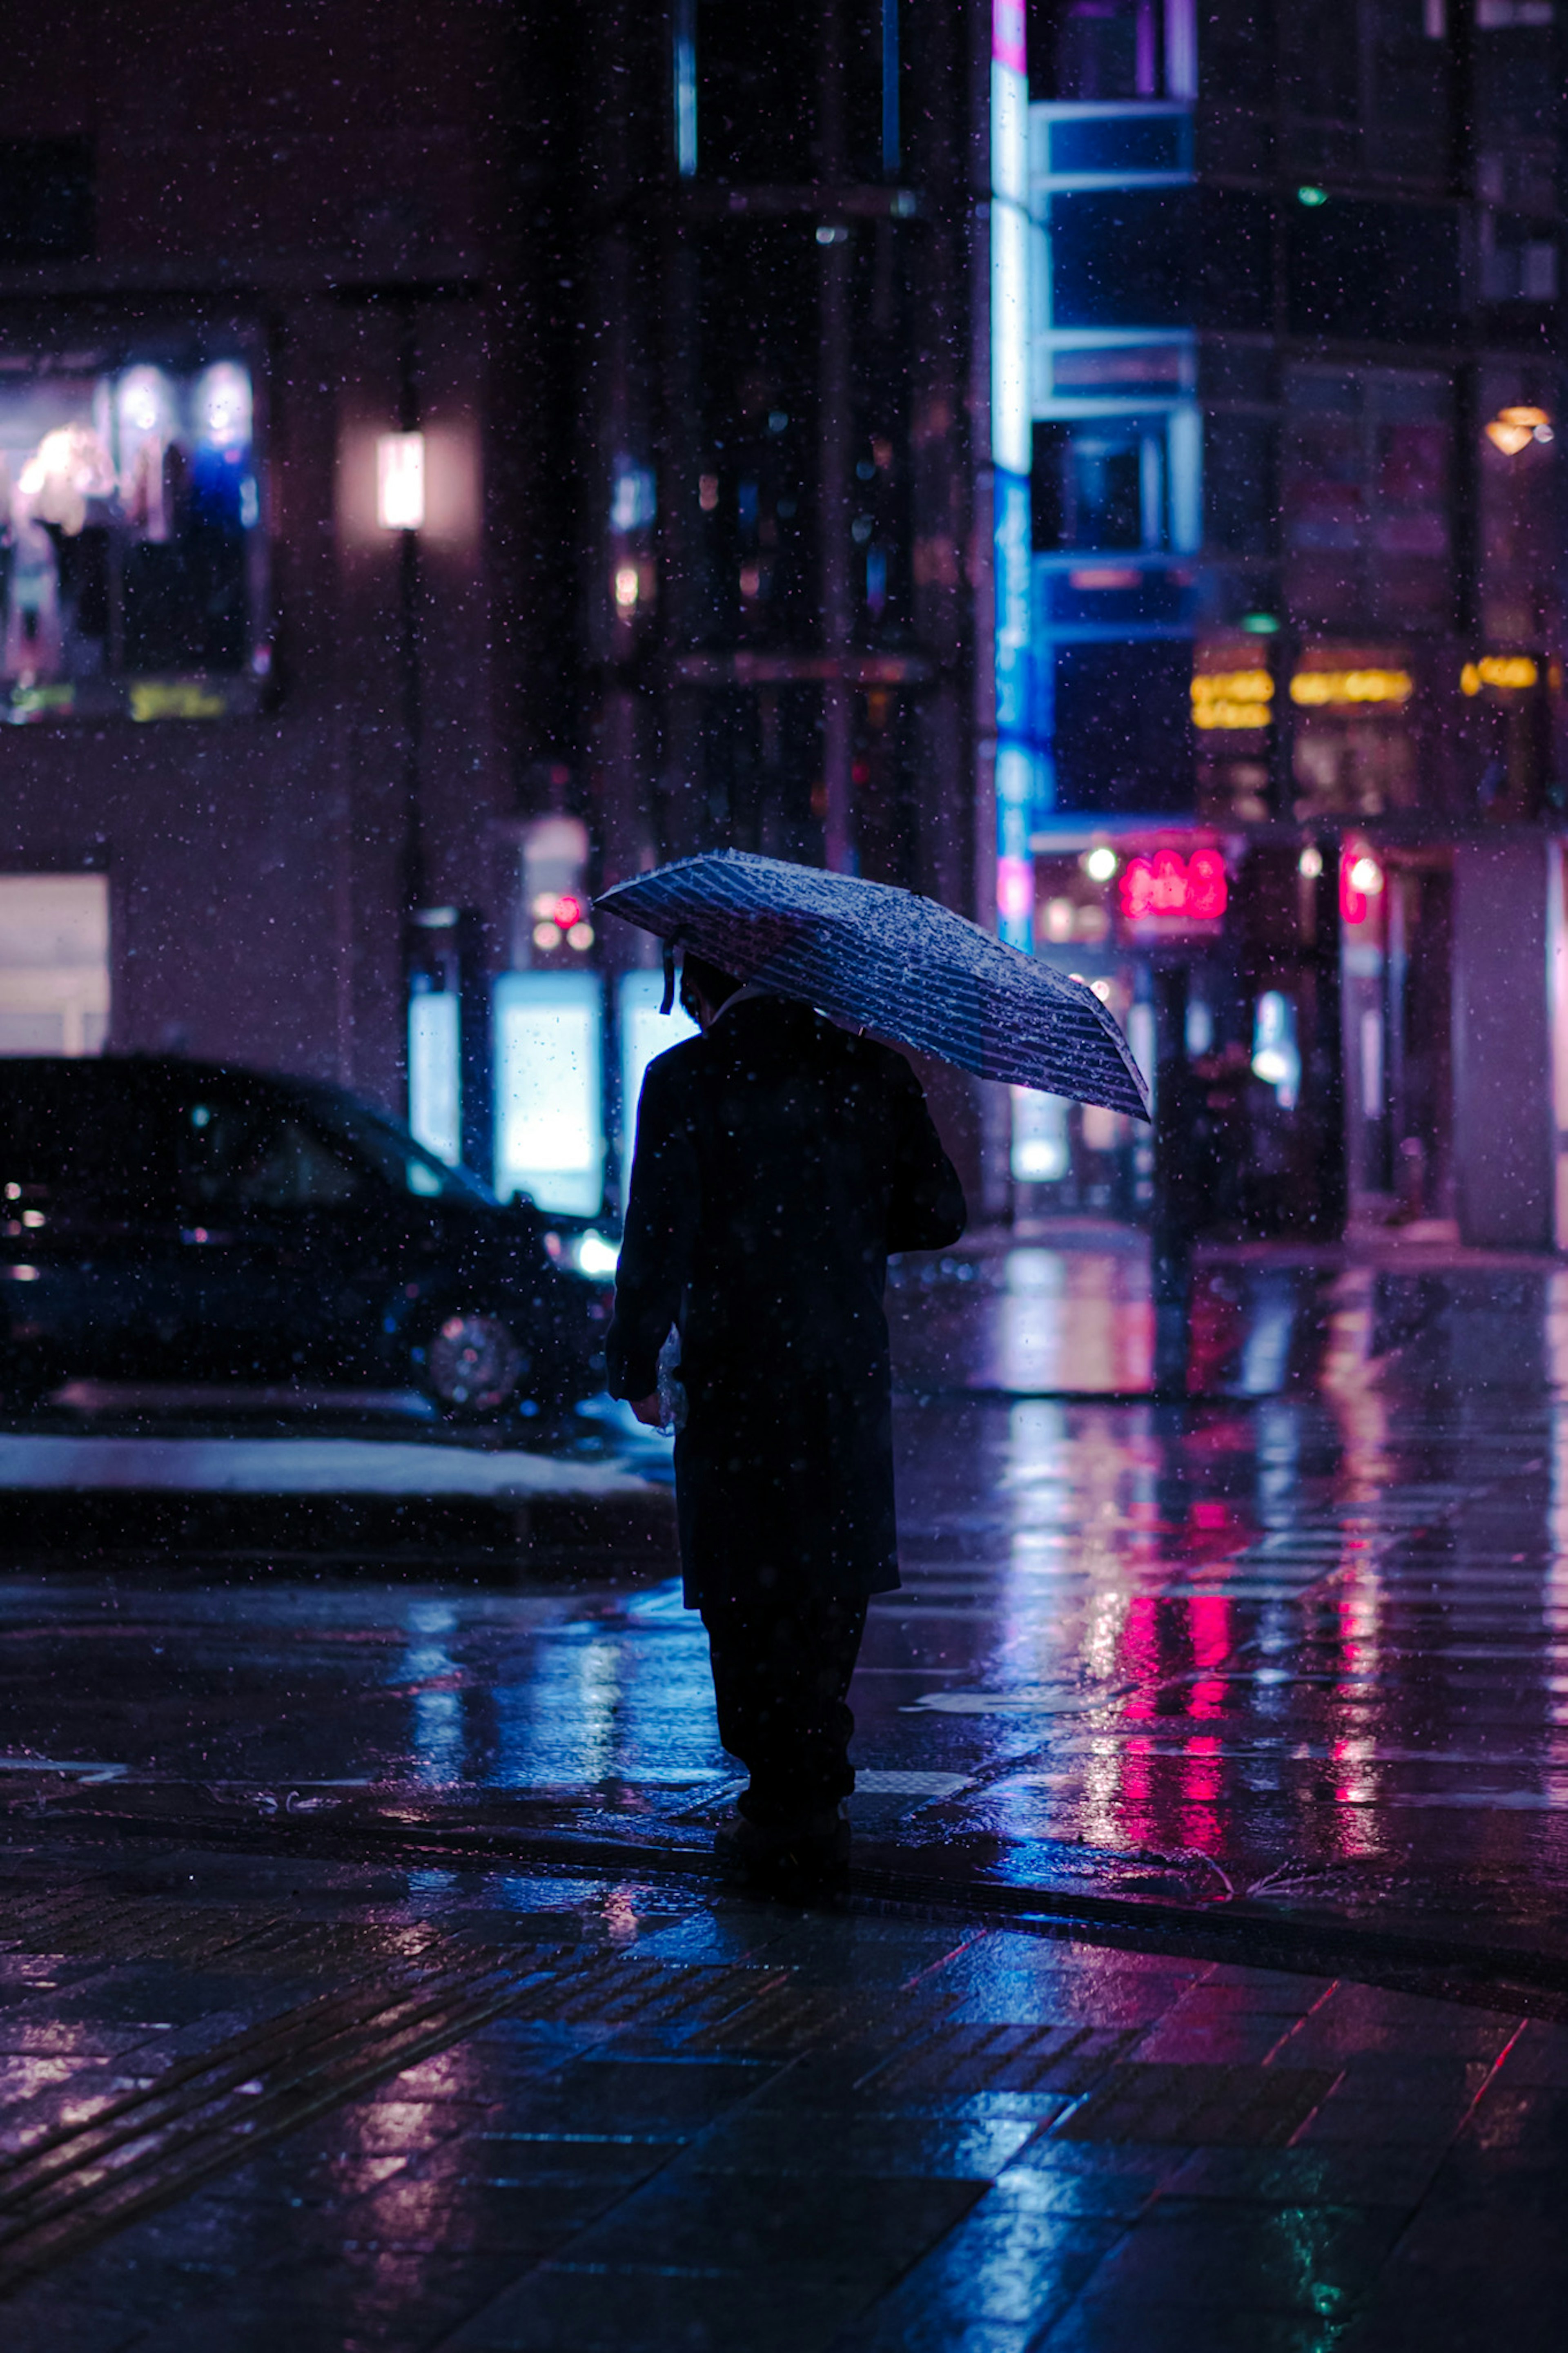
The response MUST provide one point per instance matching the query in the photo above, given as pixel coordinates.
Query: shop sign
(1311, 689)
(1166, 891)
(1511, 672)
(1232, 698)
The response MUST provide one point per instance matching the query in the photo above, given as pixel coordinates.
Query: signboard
(1164, 891)
(434, 1085)
(644, 1032)
(549, 1090)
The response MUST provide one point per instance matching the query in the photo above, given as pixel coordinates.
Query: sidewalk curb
(1453, 1967)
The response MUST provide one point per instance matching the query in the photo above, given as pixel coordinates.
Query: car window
(256, 1156)
(91, 1128)
(395, 1155)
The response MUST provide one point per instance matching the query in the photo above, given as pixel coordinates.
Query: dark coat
(779, 1159)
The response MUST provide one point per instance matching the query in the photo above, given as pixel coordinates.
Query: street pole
(1171, 1234)
(835, 425)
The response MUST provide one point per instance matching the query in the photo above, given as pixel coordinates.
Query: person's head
(704, 988)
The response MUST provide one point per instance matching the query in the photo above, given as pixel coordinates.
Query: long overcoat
(779, 1160)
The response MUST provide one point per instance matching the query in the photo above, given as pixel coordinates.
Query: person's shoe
(814, 1848)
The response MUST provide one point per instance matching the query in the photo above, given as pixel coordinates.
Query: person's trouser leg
(782, 1670)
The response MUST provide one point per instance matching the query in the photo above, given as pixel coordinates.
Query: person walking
(778, 1161)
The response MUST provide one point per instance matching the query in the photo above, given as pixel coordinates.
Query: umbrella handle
(666, 1003)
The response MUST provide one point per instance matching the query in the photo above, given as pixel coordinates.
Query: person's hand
(649, 1410)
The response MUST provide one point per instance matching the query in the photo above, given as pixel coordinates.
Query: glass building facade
(1297, 568)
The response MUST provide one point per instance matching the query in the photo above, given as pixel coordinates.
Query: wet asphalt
(1298, 1646)
(1231, 1736)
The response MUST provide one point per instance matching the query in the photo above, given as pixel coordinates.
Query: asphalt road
(1296, 1649)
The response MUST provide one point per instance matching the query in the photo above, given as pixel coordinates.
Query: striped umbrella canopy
(891, 961)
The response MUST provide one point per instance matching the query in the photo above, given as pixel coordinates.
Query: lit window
(1275, 1056)
(547, 1029)
(1041, 1151)
(400, 481)
(634, 502)
(135, 495)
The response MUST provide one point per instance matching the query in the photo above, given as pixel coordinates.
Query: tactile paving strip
(151, 2142)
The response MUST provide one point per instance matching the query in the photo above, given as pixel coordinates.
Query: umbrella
(891, 962)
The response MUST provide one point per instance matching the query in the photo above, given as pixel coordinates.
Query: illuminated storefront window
(1356, 708)
(644, 1032)
(131, 547)
(550, 1135)
(434, 1085)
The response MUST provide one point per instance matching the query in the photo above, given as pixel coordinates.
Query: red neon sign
(1195, 889)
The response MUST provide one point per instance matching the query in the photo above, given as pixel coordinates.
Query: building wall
(1299, 591)
(773, 223)
(1505, 1145)
(484, 229)
(1292, 262)
(335, 188)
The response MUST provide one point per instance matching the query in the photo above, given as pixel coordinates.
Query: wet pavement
(344, 2106)
(1198, 1984)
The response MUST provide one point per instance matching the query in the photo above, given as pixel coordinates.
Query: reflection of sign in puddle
(1032, 1699)
(1186, 1876)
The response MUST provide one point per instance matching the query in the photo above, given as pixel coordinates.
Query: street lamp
(1513, 429)
(400, 481)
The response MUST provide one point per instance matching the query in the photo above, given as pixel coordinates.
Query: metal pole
(834, 430)
(1171, 1233)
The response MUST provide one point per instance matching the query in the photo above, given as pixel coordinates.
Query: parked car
(164, 1218)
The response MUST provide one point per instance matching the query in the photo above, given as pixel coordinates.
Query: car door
(283, 1244)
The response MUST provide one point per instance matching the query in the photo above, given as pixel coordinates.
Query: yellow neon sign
(176, 698)
(1514, 670)
(1312, 688)
(1232, 698)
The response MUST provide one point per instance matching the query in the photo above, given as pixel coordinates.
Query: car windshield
(393, 1152)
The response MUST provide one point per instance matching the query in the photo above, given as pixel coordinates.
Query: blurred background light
(400, 481)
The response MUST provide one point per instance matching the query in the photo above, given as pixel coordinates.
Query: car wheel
(474, 1366)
